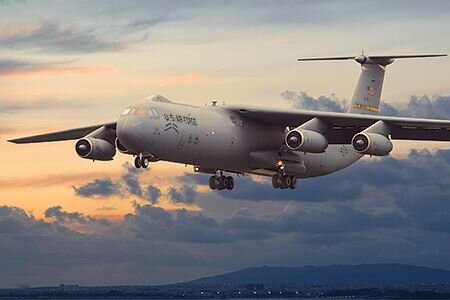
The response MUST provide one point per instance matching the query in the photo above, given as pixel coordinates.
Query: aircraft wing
(71, 134)
(344, 125)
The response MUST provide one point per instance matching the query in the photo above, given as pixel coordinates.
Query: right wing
(65, 135)
(343, 126)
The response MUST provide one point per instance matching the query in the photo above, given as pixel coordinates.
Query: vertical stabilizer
(367, 95)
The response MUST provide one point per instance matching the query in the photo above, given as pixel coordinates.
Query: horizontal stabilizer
(326, 58)
(372, 59)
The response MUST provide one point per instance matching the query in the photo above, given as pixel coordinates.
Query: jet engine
(95, 149)
(122, 149)
(306, 140)
(372, 144)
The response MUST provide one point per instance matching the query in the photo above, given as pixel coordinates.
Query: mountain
(367, 274)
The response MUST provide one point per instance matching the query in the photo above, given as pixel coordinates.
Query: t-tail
(366, 98)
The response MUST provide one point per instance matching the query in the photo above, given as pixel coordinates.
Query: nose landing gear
(141, 162)
(221, 182)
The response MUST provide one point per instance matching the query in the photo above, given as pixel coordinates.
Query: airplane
(285, 144)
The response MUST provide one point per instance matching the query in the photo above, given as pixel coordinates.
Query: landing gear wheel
(286, 181)
(275, 184)
(144, 162)
(137, 162)
(212, 182)
(224, 182)
(230, 183)
(293, 184)
(221, 183)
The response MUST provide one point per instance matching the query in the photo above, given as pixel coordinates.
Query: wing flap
(65, 135)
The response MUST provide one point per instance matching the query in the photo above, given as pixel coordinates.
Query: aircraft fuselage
(212, 138)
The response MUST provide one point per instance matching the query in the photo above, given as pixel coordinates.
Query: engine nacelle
(95, 149)
(306, 140)
(372, 144)
(121, 148)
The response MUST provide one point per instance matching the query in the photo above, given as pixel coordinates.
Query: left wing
(71, 134)
(343, 126)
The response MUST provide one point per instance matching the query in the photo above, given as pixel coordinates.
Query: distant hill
(368, 274)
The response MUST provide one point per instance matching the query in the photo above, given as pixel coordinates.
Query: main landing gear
(284, 181)
(141, 162)
(221, 182)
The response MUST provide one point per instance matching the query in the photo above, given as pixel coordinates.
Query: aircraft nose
(128, 129)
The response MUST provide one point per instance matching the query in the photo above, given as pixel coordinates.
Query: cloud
(146, 23)
(422, 107)
(52, 37)
(183, 194)
(11, 2)
(11, 67)
(154, 193)
(61, 216)
(106, 208)
(101, 188)
(418, 106)
(130, 184)
(50, 180)
(131, 180)
(356, 216)
(423, 174)
(176, 243)
(302, 100)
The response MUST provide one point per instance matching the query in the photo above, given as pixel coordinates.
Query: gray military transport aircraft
(284, 144)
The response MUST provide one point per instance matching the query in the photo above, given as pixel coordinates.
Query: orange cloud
(57, 71)
(54, 179)
(190, 78)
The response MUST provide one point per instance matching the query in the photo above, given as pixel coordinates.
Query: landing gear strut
(141, 162)
(221, 182)
(284, 181)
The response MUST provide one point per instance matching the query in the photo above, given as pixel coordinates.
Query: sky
(78, 63)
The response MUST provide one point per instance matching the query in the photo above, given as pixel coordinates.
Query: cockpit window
(126, 111)
(139, 111)
(153, 113)
(142, 112)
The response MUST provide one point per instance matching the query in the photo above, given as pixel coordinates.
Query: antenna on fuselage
(367, 95)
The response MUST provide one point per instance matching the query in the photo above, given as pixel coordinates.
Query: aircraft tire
(144, 162)
(275, 181)
(218, 181)
(137, 162)
(224, 182)
(230, 183)
(212, 182)
(293, 184)
(288, 180)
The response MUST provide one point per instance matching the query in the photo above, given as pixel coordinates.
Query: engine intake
(372, 144)
(121, 147)
(95, 149)
(306, 140)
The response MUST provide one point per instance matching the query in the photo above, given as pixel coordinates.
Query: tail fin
(366, 98)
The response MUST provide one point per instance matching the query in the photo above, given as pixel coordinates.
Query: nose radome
(127, 131)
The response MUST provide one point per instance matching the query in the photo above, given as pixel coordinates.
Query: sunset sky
(78, 63)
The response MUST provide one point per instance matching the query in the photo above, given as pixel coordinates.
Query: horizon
(211, 276)
(80, 63)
